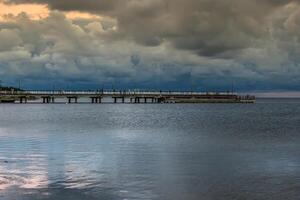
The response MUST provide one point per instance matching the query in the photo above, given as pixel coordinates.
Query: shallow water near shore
(150, 151)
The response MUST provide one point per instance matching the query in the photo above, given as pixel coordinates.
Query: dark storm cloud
(207, 27)
(79, 5)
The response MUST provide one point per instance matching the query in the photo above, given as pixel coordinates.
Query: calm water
(175, 151)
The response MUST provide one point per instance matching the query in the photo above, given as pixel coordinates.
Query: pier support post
(96, 99)
(158, 100)
(123, 99)
(48, 99)
(23, 99)
(136, 100)
(75, 99)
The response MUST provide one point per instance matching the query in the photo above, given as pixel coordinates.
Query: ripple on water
(185, 151)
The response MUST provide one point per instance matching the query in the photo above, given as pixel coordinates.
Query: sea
(150, 151)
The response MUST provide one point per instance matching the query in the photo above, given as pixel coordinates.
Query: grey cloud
(64, 50)
(167, 40)
(9, 39)
(135, 59)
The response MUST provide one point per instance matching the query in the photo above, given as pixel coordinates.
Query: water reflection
(29, 176)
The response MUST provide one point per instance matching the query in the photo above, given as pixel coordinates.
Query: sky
(203, 45)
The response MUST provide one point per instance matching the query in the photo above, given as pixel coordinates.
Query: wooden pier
(128, 96)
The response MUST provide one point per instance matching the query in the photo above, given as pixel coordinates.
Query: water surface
(150, 151)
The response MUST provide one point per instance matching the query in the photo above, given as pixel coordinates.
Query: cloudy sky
(252, 45)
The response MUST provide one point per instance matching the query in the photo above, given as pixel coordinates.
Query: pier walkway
(128, 96)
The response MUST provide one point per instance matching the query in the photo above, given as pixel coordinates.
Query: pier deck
(124, 96)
